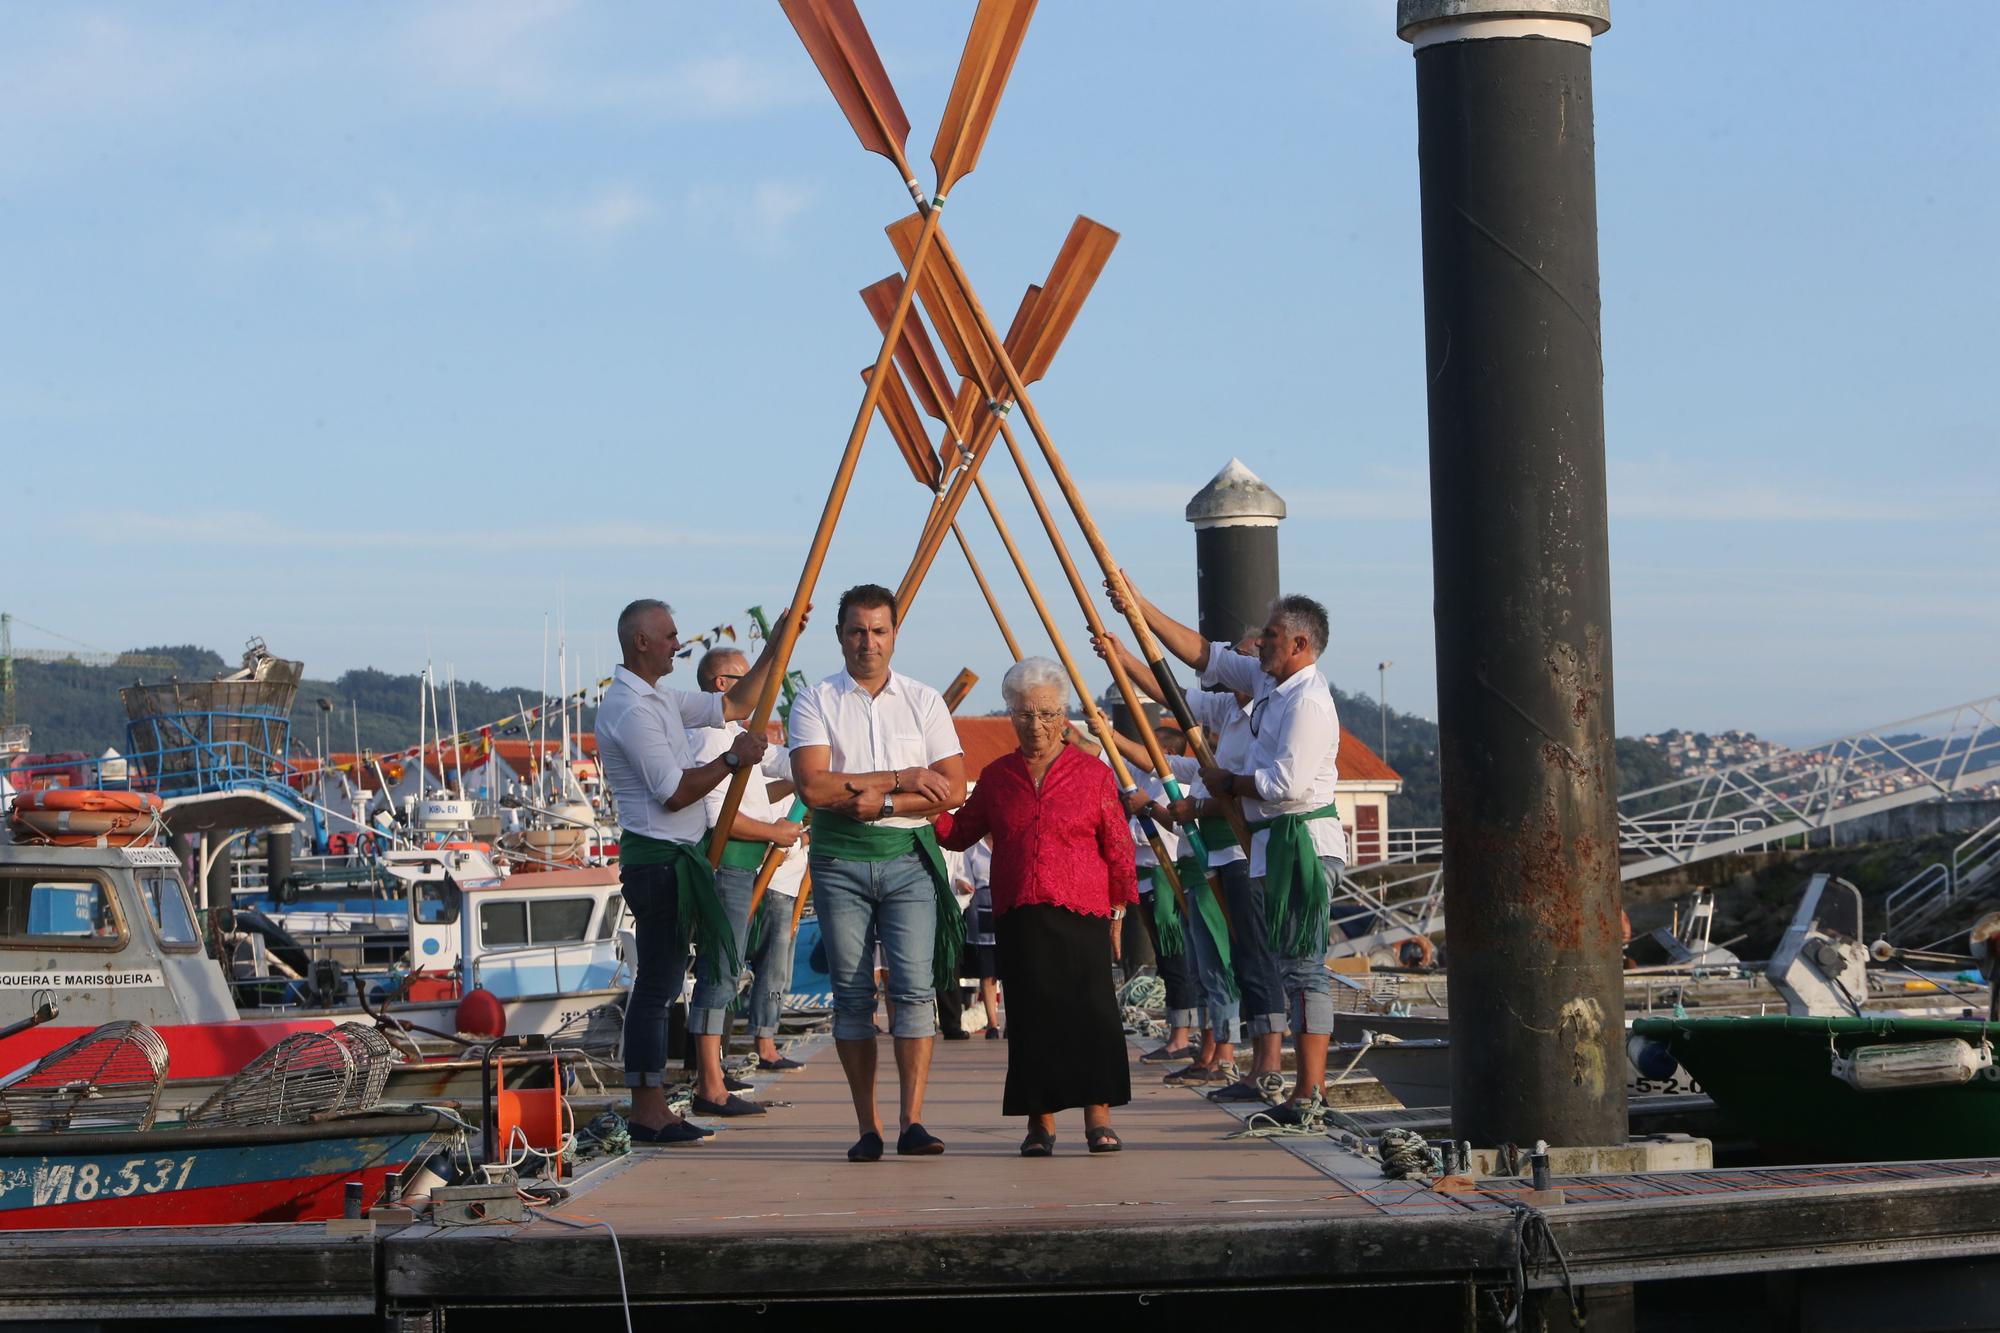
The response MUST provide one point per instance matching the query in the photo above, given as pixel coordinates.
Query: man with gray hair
(642, 746)
(1298, 849)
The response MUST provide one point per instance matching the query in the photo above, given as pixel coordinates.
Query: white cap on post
(1424, 23)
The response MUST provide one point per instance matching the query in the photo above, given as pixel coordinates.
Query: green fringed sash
(1201, 892)
(1167, 915)
(1215, 832)
(1298, 906)
(847, 839)
(702, 917)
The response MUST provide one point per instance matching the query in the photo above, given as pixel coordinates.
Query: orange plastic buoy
(480, 1014)
(1416, 951)
(85, 817)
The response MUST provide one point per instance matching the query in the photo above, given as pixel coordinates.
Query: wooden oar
(839, 45)
(914, 444)
(799, 906)
(900, 414)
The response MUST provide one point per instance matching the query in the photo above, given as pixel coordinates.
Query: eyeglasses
(1046, 717)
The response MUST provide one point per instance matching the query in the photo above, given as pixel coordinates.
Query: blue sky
(384, 330)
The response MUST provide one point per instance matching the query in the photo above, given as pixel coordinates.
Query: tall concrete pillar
(1235, 519)
(1520, 564)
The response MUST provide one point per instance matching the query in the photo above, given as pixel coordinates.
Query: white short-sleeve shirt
(1294, 747)
(905, 726)
(706, 743)
(642, 747)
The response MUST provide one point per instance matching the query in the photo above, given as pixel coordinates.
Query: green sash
(1167, 915)
(701, 913)
(1298, 905)
(797, 815)
(1202, 894)
(847, 839)
(1216, 833)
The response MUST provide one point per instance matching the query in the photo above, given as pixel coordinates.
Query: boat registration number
(68, 1182)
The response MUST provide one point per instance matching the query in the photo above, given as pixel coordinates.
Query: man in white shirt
(874, 754)
(1287, 784)
(642, 747)
(760, 824)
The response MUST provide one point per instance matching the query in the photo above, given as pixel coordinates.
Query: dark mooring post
(1520, 562)
(1235, 521)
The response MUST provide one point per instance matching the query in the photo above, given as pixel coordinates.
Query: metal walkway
(1790, 793)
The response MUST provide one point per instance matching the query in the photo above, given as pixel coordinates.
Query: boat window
(64, 911)
(613, 909)
(166, 902)
(438, 901)
(561, 920)
(503, 924)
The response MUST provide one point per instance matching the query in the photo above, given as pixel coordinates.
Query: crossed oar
(836, 39)
(839, 45)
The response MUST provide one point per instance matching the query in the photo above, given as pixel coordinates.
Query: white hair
(1031, 673)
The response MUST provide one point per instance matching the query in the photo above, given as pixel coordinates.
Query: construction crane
(76, 657)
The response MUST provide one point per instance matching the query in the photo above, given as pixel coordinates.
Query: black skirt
(1065, 1035)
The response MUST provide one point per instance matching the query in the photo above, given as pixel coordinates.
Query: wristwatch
(731, 760)
(888, 807)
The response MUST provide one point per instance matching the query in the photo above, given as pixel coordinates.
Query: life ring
(1416, 951)
(339, 844)
(86, 817)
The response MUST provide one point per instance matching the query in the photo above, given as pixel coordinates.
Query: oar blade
(1084, 253)
(952, 319)
(998, 29)
(907, 428)
(840, 47)
(915, 352)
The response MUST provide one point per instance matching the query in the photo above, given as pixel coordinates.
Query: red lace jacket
(1067, 844)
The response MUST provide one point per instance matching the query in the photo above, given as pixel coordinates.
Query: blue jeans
(1220, 1012)
(862, 903)
(708, 1009)
(1263, 990)
(1308, 985)
(653, 898)
(772, 965)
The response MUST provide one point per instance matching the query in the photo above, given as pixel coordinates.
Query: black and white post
(1235, 519)
(1520, 564)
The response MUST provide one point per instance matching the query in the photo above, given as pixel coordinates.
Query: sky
(402, 331)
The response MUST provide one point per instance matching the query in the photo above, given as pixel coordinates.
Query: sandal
(1103, 1138)
(1039, 1143)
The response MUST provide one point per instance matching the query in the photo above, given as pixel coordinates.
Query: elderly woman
(1061, 879)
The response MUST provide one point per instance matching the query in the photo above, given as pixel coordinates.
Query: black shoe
(916, 1141)
(867, 1148)
(1236, 1092)
(1286, 1114)
(666, 1136)
(1039, 1143)
(960, 1035)
(1103, 1139)
(1167, 1055)
(734, 1105)
(779, 1065)
(731, 1083)
(992, 1034)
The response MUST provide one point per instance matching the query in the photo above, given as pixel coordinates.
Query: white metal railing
(1932, 890)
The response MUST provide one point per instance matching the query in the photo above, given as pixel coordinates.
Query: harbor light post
(1382, 703)
(1519, 556)
(1235, 519)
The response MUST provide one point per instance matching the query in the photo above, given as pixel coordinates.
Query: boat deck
(769, 1212)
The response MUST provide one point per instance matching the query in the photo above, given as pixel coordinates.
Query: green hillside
(75, 707)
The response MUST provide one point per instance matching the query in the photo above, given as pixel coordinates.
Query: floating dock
(1184, 1223)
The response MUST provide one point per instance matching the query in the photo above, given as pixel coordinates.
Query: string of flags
(707, 638)
(482, 737)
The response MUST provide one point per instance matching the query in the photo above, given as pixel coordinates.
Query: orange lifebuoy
(1416, 951)
(86, 817)
(339, 844)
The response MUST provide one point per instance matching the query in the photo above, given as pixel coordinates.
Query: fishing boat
(198, 1175)
(1845, 1089)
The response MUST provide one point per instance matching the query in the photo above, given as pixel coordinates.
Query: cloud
(545, 55)
(390, 224)
(247, 529)
(759, 218)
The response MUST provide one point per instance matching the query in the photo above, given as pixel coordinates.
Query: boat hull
(1772, 1079)
(202, 1176)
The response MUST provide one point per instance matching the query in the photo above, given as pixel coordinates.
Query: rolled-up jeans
(708, 1008)
(1263, 990)
(1308, 985)
(653, 898)
(771, 965)
(861, 904)
(1211, 978)
(1173, 968)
